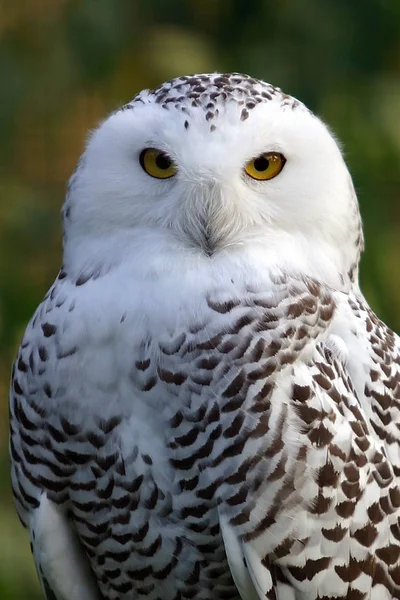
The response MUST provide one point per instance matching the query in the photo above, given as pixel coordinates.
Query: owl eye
(157, 163)
(266, 166)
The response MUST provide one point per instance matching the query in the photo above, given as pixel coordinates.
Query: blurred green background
(65, 63)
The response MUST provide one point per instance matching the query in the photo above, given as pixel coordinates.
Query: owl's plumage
(204, 406)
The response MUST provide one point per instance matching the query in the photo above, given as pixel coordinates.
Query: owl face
(212, 162)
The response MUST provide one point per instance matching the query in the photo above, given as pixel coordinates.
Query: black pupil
(261, 163)
(163, 161)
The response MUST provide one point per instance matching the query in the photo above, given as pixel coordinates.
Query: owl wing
(376, 375)
(325, 518)
(61, 564)
(39, 477)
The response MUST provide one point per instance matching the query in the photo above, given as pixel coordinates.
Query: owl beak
(207, 239)
(209, 217)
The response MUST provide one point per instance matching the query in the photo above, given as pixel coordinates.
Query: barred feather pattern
(277, 421)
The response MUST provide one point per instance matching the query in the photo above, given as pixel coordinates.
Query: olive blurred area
(65, 64)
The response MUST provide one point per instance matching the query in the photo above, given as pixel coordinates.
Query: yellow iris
(266, 166)
(157, 163)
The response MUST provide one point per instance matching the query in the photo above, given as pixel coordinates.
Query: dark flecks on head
(207, 92)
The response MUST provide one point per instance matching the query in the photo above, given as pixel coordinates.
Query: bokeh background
(64, 64)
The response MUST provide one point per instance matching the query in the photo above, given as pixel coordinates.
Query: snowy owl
(204, 406)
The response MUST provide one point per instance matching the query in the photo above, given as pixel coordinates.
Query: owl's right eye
(157, 163)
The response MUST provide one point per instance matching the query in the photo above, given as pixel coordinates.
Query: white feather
(59, 554)
(236, 559)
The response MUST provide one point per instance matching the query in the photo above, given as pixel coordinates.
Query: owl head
(215, 165)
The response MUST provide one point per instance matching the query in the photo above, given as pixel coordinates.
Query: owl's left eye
(266, 166)
(157, 163)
